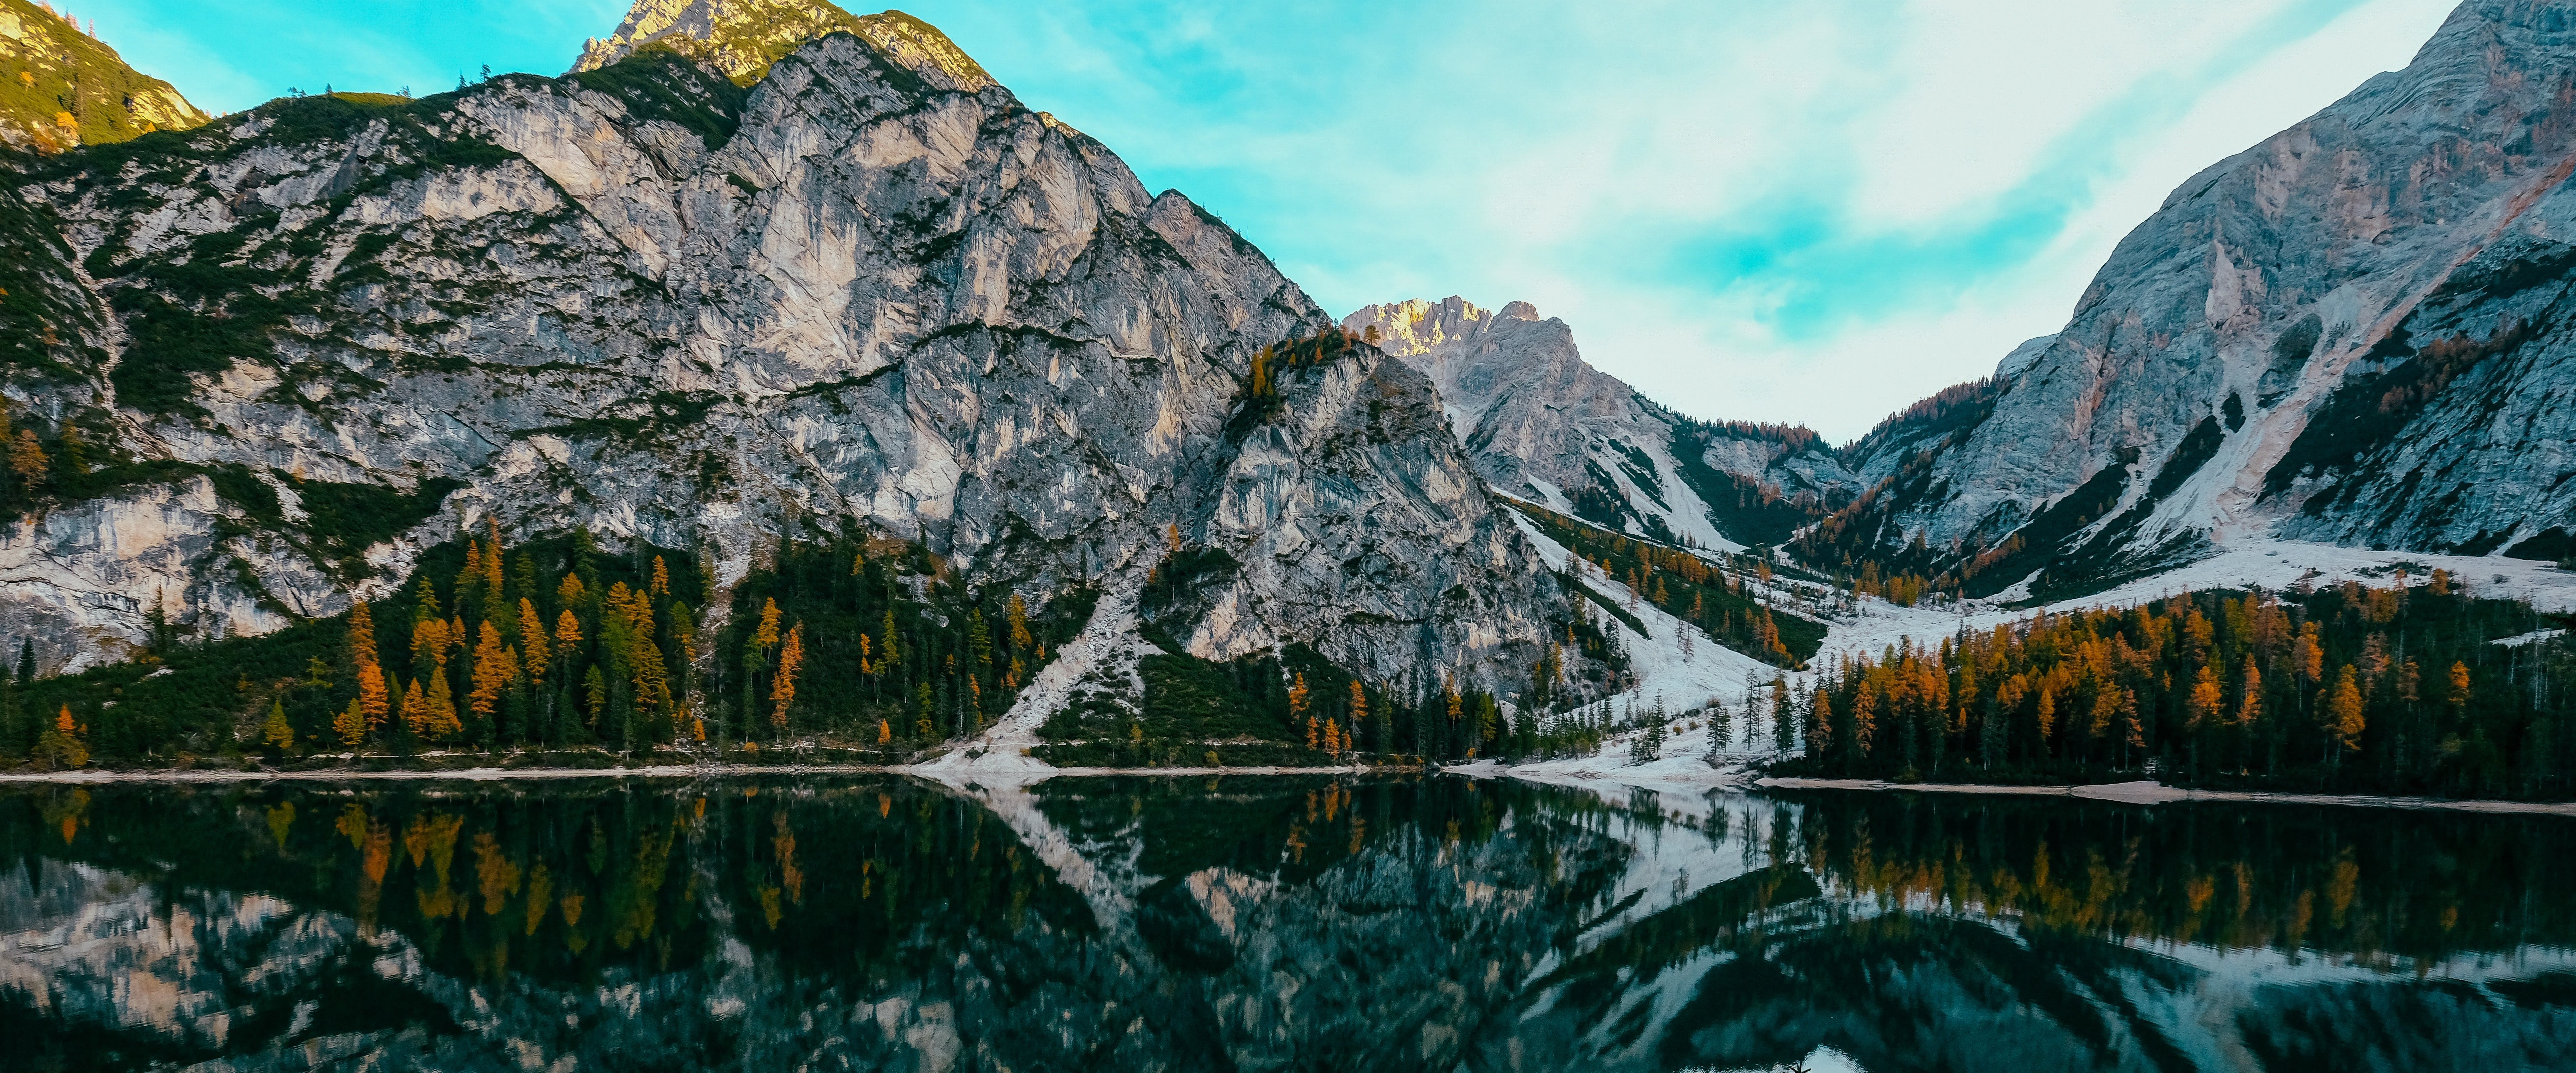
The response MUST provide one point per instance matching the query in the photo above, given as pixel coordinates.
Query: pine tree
(470, 578)
(493, 592)
(373, 698)
(791, 656)
(2202, 706)
(2344, 714)
(1015, 618)
(62, 746)
(428, 643)
(351, 724)
(594, 687)
(13, 717)
(661, 578)
(494, 666)
(441, 724)
(1784, 723)
(276, 731)
(412, 710)
(27, 459)
(626, 635)
(532, 637)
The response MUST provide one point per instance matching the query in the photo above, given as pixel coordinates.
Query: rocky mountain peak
(2339, 335)
(743, 38)
(1543, 424)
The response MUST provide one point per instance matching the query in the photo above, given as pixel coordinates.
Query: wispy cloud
(1815, 211)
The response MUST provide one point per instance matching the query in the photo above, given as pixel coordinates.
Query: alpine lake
(1244, 922)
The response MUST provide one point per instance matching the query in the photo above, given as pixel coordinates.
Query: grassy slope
(60, 88)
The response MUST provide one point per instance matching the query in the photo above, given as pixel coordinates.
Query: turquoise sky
(1811, 212)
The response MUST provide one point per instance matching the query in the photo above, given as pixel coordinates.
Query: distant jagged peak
(744, 38)
(1413, 326)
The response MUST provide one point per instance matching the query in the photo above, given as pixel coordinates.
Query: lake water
(1265, 923)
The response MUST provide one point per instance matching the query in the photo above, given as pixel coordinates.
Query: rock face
(743, 38)
(873, 292)
(65, 88)
(1543, 424)
(2344, 333)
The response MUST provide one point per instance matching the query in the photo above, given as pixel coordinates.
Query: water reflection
(1265, 923)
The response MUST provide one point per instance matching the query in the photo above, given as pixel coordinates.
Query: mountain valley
(811, 312)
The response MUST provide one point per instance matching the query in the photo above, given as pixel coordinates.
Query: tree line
(2396, 689)
(561, 644)
(1720, 599)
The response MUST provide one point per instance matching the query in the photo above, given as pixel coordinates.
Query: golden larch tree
(782, 691)
(2343, 711)
(26, 457)
(494, 666)
(532, 634)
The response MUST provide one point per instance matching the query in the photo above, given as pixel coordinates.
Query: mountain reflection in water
(1265, 923)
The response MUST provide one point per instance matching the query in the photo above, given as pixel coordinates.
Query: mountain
(60, 87)
(2352, 332)
(743, 38)
(872, 294)
(1543, 424)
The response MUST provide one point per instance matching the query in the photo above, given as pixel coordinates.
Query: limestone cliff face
(61, 88)
(2343, 333)
(1543, 424)
(874, 291)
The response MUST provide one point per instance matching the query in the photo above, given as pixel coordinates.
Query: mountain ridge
(687, 315)
(744, 38)
(61, 88)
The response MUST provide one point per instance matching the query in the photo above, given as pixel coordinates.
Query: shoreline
(2131, 793)
(931, 769)
(2155, 793)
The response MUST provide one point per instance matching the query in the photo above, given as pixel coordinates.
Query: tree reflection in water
(1265, 923)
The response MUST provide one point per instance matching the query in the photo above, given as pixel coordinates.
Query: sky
(1811, 212)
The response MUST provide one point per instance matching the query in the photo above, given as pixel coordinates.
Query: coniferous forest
(2401, 688)
(559, 645)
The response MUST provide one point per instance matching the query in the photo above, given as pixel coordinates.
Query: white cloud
(1978, 90)
(1585, 219)
(2290, 85)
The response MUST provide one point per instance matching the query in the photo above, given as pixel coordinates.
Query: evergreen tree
(276, 733)
(63, 745)
(13, 717)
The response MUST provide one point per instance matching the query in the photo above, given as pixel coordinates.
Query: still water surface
(1265, 924)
